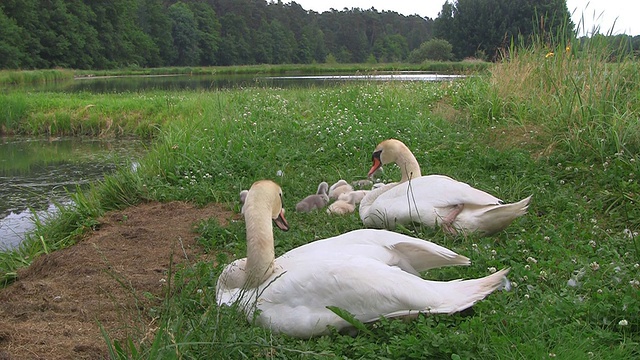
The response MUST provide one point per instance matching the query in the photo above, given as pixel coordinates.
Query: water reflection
(35, 173)
(118, 84)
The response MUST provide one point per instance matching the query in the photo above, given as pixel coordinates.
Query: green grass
(563, 129)
(13, 77)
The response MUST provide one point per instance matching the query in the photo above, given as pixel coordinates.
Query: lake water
(111, 84)
(37, 173)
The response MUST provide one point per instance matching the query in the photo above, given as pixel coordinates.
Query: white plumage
(370, 273)
(432, 200)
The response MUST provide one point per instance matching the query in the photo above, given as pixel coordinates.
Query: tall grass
(13, 77)
(108, 115)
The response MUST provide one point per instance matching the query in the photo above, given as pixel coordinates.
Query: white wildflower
(594, 266)
(543, 275)
(623, 322)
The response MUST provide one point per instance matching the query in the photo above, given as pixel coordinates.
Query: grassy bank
(563, 128)
(12, 77)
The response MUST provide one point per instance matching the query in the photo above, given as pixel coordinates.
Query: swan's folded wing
(443, 191)
(426, 255)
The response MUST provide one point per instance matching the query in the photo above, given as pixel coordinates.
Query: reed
(23, 77)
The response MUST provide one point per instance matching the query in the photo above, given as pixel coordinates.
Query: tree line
(101, 34)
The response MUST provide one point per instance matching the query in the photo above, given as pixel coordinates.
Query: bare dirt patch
(54, 309)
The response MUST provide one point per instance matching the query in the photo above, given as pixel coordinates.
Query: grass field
(564, 129)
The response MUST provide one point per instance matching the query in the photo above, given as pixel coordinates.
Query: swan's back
(370, 273)
(425, 200)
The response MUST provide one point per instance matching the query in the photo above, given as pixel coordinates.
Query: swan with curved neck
(369, 273)
(432, 200)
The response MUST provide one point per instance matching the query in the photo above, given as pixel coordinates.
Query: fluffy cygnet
(317, 201)
(340, 187)
(345, 205)
(357, 196)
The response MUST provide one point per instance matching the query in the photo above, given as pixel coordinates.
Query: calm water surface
(117, 84)
(37, 173)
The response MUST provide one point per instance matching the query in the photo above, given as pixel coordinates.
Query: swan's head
(386, 152)
(266, 193)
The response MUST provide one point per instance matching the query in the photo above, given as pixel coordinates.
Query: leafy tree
(12, 46)
(283, 43)
(234, 43)
(184, 31)
(122, 42)
(263, 44)
(391, 48)
(490, 25)
(153, 19)
(314, 37)
(434, 49)
(26, 14)
(208, 29)
(120, 33)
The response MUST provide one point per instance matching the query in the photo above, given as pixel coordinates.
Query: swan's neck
(260, 246)
(409, 166)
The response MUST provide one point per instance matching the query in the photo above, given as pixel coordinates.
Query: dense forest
(100, 34)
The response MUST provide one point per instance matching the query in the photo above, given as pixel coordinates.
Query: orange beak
(376, 163)
(281, 222)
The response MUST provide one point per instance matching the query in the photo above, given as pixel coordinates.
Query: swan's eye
(376, 155)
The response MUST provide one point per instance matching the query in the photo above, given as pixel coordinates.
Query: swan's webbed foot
(447, 222)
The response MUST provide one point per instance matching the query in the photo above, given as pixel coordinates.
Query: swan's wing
(390, 248)
(296, 302)
(441, 191)
(428, 255)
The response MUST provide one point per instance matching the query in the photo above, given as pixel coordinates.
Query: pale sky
(601, 13)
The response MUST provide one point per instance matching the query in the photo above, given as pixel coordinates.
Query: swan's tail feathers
(465, 293)
(499, 217)
(438, 297)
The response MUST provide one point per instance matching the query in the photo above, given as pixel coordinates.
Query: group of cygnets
(344, 197)
(370, 273)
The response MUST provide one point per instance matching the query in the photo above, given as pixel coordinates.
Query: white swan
(369, 273)
(317, 201)
(433, 199)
